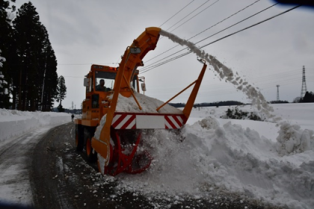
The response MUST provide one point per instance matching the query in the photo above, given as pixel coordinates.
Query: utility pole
(303, 88)
(277, 92)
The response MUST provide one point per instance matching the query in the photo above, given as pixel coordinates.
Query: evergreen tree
(308, 97)
(61, 90)
(36, 78)
(50, 86)
(29, 45)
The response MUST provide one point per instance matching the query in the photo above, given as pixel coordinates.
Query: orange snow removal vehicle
(115, 113)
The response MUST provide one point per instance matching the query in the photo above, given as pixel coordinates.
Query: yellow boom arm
(131, 59)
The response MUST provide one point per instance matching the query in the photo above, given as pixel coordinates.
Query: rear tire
(79, 137)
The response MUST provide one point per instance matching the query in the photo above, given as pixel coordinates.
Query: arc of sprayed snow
(226, 73)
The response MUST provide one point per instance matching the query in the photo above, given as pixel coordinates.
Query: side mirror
(143, 86)
(86, 83)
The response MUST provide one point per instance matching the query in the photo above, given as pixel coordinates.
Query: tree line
(308, 97)
(28, 67)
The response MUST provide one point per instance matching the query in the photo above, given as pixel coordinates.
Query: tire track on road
(14, 166)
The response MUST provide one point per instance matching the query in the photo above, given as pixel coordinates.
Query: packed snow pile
(210, 158)
(292, 139)
(14, 123)
(148, 104)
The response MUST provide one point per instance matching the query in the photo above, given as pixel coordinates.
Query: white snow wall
(14, 123)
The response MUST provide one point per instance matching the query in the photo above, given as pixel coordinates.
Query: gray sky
(97, 32)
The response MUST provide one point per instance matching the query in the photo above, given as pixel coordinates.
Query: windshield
(104, 81)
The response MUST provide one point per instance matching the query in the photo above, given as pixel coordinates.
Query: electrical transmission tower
(303, 88)
(277, 92)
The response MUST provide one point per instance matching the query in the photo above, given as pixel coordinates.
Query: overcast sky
(97, 32)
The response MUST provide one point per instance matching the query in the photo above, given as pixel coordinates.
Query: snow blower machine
(115, 112)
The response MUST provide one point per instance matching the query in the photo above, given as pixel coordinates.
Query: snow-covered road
(20, 132)
(15, 161)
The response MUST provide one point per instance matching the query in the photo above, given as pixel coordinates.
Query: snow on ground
(272, 162)
(14, 123)
(215, 155)
(20, 132)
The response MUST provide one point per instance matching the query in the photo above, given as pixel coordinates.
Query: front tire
(79, 137)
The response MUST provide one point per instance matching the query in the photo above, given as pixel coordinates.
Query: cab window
(104, 81)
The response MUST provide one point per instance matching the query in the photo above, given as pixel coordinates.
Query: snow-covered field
(273, 162)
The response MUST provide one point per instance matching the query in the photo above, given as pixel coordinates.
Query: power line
(149, 68)
(195, 15)
(231, 34)
(188, 15)
(263, 10)
(226, 18)
(207, 29)
(176, 13)
(181, 55)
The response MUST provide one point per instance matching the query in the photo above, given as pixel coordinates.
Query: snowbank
(13, 123)
(292, 139)
(219, 156)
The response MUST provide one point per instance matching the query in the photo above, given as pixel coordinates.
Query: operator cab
(104, 81)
